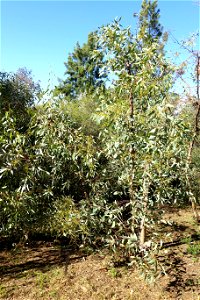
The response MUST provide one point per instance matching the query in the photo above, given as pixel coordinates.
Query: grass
(45, 272)
(194, 249)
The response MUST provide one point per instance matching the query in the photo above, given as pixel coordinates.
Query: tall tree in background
(150, 30)
(83, 70)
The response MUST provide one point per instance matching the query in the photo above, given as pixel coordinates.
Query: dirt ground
(46, 271)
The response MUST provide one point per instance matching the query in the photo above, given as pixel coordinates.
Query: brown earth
(46, 271)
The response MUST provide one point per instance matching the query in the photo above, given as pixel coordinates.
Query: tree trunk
(145, 199)
(191, 145)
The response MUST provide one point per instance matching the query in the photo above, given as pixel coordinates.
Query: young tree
(83, 70)
(144, 143)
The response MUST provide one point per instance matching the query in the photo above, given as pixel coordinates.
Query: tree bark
(191, 145)
(145, 199)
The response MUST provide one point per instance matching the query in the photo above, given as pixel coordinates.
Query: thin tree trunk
(191, 145)
(131, 128)
(145, 199)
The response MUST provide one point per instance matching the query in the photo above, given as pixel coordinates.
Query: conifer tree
(83, 70)
(150, 30)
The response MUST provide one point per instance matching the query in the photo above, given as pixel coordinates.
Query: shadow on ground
(16, 264)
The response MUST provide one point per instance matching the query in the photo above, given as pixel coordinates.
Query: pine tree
(150, 30)
(83, 70)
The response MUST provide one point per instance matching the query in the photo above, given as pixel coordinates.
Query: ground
(48, 271)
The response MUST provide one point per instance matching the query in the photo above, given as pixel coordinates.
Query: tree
(83, 70)
(41, 168)
(17, 93)
(190, 108)
(150, 30)
(144, 144)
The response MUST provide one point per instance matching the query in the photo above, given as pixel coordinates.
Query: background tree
(149, 28)
(187, 77)
(83, 70)
(17, 93)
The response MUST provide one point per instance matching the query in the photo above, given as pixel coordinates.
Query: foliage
(82, 70)
(191, 109)
(150, 30)
(17, 93)
(65, 221)
(81, 113)
(37, 168)
(144, 143)
(99, 169)
(188, 113)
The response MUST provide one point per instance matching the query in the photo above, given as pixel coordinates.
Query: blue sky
(39, 35)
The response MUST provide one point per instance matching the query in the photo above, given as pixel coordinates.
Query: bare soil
(46, 271)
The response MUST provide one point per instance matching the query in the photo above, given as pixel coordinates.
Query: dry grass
(49, 272)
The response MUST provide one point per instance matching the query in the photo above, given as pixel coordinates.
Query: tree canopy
(18, 92)
(150, 30)
(83, 71)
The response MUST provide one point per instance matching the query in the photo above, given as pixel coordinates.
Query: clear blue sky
(39, 35)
